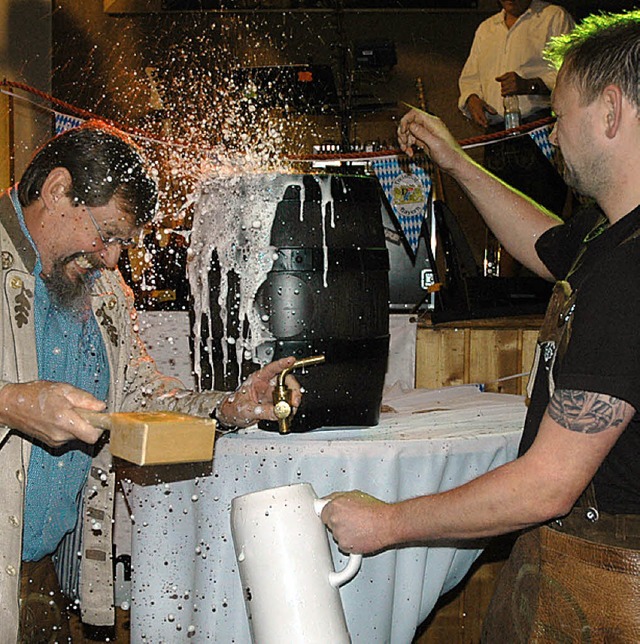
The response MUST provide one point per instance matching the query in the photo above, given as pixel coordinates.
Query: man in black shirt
(574, 491)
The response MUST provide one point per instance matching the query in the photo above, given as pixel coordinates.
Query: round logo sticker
(408, 196)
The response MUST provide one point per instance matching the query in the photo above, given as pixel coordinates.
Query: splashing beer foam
(233, 217)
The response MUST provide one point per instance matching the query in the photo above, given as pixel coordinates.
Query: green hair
(603, 49)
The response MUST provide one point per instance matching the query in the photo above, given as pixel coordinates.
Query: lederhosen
(576, 579)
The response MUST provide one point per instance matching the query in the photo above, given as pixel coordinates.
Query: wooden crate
(494, 352)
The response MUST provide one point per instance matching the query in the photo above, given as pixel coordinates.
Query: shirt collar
(535, 7)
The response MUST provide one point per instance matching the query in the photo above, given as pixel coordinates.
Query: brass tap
(282, 393)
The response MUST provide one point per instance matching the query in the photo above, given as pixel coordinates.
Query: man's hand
(478, 110)
(253, 400)
(431, 134)
(45, 411)
(511, 83)
(359, 523)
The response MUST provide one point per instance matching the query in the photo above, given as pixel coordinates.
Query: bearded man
(69, 342)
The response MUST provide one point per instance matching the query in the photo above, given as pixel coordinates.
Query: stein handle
(341, 577)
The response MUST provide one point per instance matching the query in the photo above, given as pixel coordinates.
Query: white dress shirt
(497, 49)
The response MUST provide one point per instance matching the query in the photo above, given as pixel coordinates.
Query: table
(185, 584)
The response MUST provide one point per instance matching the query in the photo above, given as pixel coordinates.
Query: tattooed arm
(576, 433)
(586, 412)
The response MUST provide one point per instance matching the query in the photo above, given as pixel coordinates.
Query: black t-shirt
(603, 352)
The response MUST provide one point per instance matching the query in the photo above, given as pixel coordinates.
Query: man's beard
(589, 178)
(70, 294)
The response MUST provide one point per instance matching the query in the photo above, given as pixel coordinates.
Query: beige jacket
(135, 384)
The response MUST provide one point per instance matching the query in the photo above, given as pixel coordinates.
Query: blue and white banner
(541, 138)
(407, 185)
(64, 122)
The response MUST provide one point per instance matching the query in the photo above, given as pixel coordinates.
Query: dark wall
(99, 59)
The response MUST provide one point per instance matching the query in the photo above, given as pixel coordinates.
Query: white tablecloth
(185, 581)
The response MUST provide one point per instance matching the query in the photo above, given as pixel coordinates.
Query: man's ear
(55, 187)
(612, 99)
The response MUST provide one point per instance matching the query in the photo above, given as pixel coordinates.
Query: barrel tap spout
(282, 393)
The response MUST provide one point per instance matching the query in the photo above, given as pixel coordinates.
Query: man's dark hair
(103, 165)
(603, 49)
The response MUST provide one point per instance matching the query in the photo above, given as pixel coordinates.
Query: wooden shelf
(494, 352)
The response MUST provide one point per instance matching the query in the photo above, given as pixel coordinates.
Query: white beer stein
(286, 568)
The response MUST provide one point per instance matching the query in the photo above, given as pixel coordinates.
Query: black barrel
(326, 293)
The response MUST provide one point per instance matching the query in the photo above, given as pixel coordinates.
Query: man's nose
(110, 255)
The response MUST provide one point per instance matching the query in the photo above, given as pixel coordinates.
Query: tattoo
(584, 411)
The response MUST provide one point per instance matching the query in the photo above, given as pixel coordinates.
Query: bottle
(511, 112)
(492, 253)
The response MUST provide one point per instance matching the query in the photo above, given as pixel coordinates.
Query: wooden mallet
(156, 437)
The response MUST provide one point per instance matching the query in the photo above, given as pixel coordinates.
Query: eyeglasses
(111, 241)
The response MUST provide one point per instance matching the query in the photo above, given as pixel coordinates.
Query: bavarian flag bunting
(407, 184)
(540, 137)
(64, 122)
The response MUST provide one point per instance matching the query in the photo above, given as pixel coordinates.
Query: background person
(506, 60)
(576, 577)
